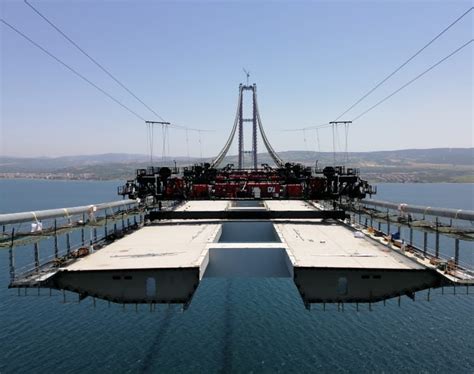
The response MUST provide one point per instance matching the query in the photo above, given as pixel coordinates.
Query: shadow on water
(227, 337)
(154, 348)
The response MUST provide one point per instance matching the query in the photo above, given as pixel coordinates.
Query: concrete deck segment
(288, 205)
(335, 246)
(165, 262)
(154, 247)
(207, 205)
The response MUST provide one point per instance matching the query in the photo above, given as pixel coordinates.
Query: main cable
(406, 62)
(72, 69)
(413, 80)
(92, 59)
(113, 77)
(392, 94)
(57, 59)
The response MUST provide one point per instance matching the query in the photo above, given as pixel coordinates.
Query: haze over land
(410, 165)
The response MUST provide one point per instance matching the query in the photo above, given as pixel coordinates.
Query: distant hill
(48, 164)
(452, 156)
(407, 165)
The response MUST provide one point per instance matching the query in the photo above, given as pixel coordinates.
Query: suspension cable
(44, 50)
(413, 80)
(405, 63)
(100, 66)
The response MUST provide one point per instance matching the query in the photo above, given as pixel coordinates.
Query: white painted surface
(335, 246)
(160, 246)
(280, 205)
(204, 205)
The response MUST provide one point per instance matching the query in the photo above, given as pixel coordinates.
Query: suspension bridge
(175, 226)
(171, 230)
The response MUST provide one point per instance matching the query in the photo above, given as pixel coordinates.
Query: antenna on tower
(247, 73)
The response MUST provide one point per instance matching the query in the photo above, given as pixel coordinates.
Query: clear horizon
(310, 60)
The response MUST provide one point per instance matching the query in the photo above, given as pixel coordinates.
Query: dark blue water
(446, 195)
(232, 325)
(27, 195)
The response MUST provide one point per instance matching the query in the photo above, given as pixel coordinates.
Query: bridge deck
(166, 246)
(177, 244)
(281, 205)
(326, 245)
(165, 262)
(200, 205)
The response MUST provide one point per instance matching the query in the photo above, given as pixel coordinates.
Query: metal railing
(461, 214)
(403, 220)
(12, 218)
(111, 218)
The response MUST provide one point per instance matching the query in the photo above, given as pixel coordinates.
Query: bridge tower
(253, 120)
(239, 124)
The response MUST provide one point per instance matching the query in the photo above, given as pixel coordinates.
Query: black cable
(92, 59)
(413, 80)
(71, 69)
(405, 63)
(87, 80)
(104, 69)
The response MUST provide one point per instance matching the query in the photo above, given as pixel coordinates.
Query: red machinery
(229, 190)
(263, 189)
(199, 191)
(294, 181)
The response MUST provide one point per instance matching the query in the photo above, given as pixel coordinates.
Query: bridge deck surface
(200, 205)
(335, 246)
(177, 245)
(281, 205)
(152, 247)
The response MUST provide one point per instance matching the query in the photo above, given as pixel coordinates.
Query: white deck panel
(177, 246)
(334, 246)
(280, 205)
(204, 205)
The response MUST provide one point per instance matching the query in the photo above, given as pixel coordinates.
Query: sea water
(232, 325)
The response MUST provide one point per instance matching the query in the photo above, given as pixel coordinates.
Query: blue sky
(310, 61)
